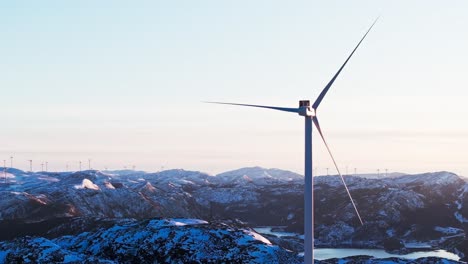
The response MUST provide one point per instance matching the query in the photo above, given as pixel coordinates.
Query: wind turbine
(310, 115)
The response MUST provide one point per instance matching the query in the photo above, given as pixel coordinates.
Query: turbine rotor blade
(317, 125)
(325, 90)
(284, 109)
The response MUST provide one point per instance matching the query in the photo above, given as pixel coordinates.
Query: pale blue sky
(121, 82)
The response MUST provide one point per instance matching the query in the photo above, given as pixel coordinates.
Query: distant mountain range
(429, 208)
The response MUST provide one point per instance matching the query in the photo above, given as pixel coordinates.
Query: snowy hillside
(150, 241)
(411, 208)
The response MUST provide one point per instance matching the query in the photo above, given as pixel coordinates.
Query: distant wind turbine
(310, 115)
(30, 165)
(11, 162)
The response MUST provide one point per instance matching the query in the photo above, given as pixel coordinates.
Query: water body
(326, 253)
(267, 230)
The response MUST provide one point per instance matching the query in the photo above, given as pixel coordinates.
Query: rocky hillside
(150, 241)
(113, 241)
(429, 209)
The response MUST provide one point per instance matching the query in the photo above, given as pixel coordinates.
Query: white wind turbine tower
(310, 115)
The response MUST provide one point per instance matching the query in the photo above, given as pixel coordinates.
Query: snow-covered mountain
(258, 175)
(171, 193)
(150, 241)
(114, 241)
(430, 208)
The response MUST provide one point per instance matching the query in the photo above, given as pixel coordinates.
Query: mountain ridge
(400, 207)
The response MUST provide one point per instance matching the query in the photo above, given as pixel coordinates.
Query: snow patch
(109, 185)
(460, 218)
(6, 175)
(186, 221)
(87, 184)
(250, 235)
(149, 187)
(448, 230)
(390, 232)
(48, 179)
(247, 178)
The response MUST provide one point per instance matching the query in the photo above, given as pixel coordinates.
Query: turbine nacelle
(305, 109)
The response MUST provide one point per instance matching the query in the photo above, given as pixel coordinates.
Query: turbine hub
(305, 109)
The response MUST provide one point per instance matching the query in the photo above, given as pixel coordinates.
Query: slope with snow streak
(462, 205)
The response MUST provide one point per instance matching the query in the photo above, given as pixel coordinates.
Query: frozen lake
(267, 230)
(326, 253)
